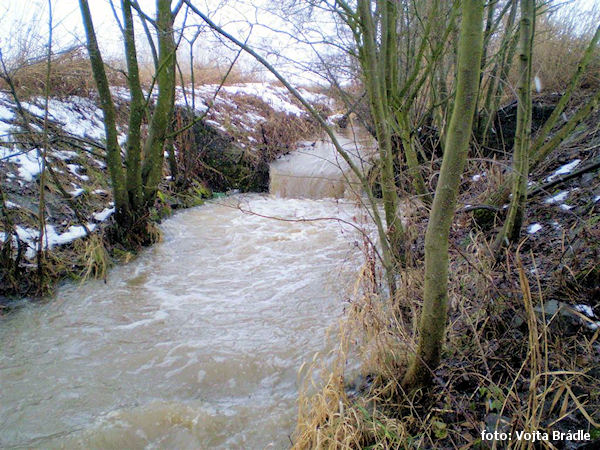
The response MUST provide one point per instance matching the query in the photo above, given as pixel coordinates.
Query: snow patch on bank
(557, 198)
(28, 162)
(564, 169)
(534, 228)
(104, 214)
(30, 236)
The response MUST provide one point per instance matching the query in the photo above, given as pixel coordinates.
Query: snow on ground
(76, 192)
(478, 176)
(6, 117)
(29, 165)
(237, 110)
(564, 169)
(562, 195)
(104, 214)
(586, 309)
(278, 98)
(79, 116)
(534, 228)
(74, 169)
(30, 236)
(21, 166)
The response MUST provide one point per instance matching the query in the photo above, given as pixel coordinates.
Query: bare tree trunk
(377, 94)
(113, 151)
(136, 112)
(163, 112)
(511, 229)
(499, 75)
(41, 250)
(435, 302)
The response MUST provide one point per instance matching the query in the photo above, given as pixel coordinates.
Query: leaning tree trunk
(113, 151)
(511, 229)
(435, 302)
(378, 100)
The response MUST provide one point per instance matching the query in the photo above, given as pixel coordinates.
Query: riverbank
(239, 130)
(522, 351)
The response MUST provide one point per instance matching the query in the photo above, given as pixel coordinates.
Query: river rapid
(197, 342)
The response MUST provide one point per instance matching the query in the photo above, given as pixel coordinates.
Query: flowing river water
(197, 343)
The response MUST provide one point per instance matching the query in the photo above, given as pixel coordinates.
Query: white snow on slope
(104, 214)
(29, 165)
(564, 169)
(557, 198)
(277, 97)
(30, 236)
(586, 309)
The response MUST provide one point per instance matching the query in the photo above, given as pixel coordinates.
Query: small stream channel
(196, 343)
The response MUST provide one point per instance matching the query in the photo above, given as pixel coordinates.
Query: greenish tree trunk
(511, 228)
(163, 112)
(377, 94)
(435, 300)
(113, 151)
(136, 114)
(135, 185)
(499, 75)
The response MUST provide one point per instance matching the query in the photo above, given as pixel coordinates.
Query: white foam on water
(195, 343)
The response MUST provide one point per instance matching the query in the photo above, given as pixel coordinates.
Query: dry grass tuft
(95, 259)
(355, 410)
(504, 367)
(208, 73)
(70, 74)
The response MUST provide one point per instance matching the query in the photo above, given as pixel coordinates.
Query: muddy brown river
(195, 344)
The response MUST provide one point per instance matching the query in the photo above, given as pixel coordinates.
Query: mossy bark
(136, 115)
(497, 79)
(163, 112)
(135, 185)
(113, 151)
(511, 228)
(435, 301)
(378, 100)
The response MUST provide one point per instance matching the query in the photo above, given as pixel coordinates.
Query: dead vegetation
(560, 43)
(505, 368)
(71, 75)
(522, 348)
(208, 72)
